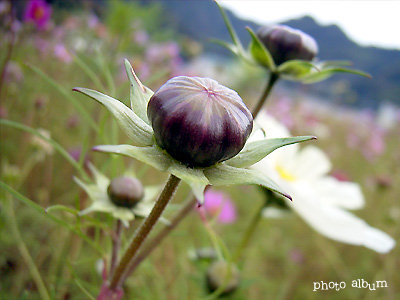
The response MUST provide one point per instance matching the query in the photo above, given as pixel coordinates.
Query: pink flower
(38, 12)
(141, 37)
(62, 53)
(219, 204)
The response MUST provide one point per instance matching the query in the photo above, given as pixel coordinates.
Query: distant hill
(201, 20)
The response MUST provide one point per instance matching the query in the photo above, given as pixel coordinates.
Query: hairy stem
(156, 240)
(116, 245)
(144, 230)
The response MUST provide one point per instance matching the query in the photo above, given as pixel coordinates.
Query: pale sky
(371, 23)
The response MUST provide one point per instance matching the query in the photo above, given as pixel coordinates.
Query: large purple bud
(286, 43)
(198, 121)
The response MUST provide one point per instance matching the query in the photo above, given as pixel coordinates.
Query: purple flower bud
(125, 191)
(198, 121)
(286, 43)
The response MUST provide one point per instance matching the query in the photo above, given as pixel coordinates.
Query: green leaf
(62, 208)
(66, 93)
(296, 69)
(91, 221)
(55, 145)
(59, 221)
(193, 177)
(152, 156)
(326, 73)
(260, 53)
(334, 63)
(139, 95)
(231, 30)
(255, 151)
(229, 46)
(87, 70)
(224, 174)
(134, 127)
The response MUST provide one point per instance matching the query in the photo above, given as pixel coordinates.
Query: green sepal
(232, 32)
(139, 94)
(296, 69)
(152, 156)
(255, 151)
(193, 177)
(224, 174)
(314, 77)
(237, 47)
(260, 53)
(134, 127)
(231, 47)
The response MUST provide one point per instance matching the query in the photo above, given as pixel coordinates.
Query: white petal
(336, 223)
(338, 193)
(271, 127)
(100, 179)
(310, 163)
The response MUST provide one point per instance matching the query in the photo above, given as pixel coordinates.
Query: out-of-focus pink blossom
(73, 121)
(172, 49)
(296, 256)
(141, 37)
(76, 154)
(219, 205)
(281, 109)
(366, 135)
(341, 175)
(375, 145)
(62, 53)
(42, 45)
(38, 12)
(13, 72)
(3, 112)
(93, 21)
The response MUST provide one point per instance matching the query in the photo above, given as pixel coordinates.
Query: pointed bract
(134, 127)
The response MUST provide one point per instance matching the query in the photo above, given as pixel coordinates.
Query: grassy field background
(61, 251)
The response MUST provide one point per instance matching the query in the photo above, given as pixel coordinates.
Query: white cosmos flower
(321, 200)
(101, 201)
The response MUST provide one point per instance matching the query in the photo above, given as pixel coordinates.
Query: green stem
(271, 81)
(144, 230)
(156, 240)
(9, 49)
(116, 246)
(44, 295)
(254, 221)
(248, 234)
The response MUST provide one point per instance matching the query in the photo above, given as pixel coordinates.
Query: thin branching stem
(116, 246)
(143, 231)
(271, 82)
(156, 240)
(251, 228)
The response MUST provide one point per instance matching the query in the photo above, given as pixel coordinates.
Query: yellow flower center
(284, 174)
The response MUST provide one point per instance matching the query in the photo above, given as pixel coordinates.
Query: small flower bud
(286, 43)
(125, 191)
(222, 274)
(198, 121)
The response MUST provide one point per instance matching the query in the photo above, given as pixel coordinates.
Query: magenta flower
(38, 12)
(219, 204)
